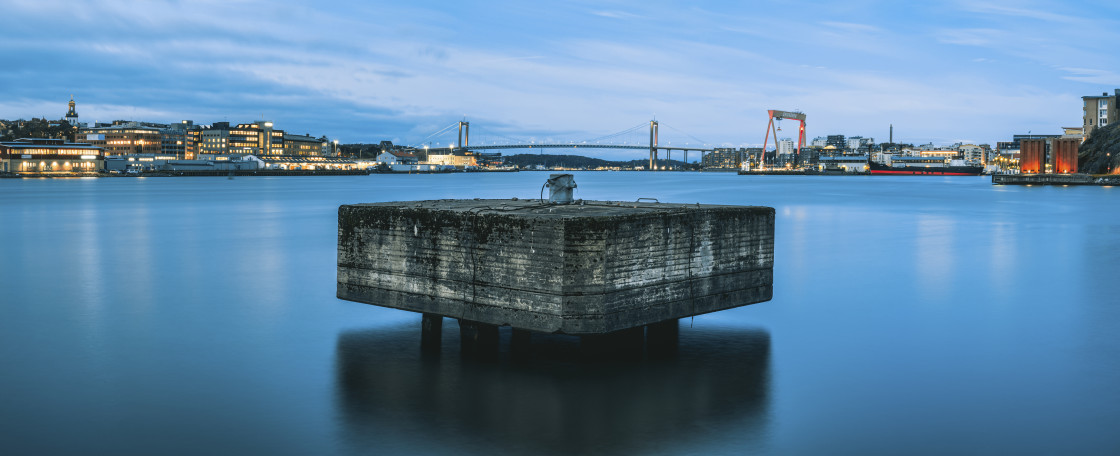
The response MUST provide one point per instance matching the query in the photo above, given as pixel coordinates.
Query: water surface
(913, 315)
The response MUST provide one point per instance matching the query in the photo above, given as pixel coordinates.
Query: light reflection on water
(910, 315)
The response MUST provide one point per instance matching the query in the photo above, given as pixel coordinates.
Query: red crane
(779, 115)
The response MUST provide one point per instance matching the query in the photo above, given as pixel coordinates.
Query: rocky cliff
(1100, 154)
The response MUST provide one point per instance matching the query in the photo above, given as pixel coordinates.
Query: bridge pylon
(652, 144)
(464, 127)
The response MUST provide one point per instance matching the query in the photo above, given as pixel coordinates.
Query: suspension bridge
(624, 139)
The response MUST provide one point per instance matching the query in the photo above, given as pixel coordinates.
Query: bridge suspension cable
(485, 133)
(686, 134)
(633, 129)
(444, 130)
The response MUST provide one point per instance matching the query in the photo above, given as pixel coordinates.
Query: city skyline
(941, 72)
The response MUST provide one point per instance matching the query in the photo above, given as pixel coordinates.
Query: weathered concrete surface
(584, 268)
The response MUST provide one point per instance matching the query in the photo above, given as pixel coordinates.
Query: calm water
(911, 315)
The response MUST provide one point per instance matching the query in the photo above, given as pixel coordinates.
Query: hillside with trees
(35, 128)
(529, 161)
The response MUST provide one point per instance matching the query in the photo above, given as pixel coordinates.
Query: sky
(707, 71)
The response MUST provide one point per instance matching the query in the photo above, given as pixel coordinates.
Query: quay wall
(1055, 179)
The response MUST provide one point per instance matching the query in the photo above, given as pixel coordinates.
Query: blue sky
(940, 71)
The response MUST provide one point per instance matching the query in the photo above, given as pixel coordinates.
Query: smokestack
(892, 133)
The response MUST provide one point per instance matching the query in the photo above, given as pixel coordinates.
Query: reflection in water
(715, 389)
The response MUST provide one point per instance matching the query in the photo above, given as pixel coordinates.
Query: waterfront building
(123, 138)
(854, 142)
(1010, 150)
(836, 141)
(306, 162)
(810, 156)
(1099, 111)
(843, 163)
(723, 158)
(181, 139)
(971, 153)
(1063, 155)
(142, 162)
(392, 157)
(257, 138)
(785, 147)
(490, 159)
(457, 158)
(304, 145)
(214, 139)
(41, 155)
(938, 153)
(1032, 156)
(819, 142)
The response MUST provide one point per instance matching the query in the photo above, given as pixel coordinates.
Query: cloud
(617, 15)
(1092, 75)
(972, 37)
(1042, 14)
(851, 27)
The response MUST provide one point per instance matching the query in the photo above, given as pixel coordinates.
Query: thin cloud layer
(365, 72)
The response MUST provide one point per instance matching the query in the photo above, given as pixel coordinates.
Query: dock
(604, 270)
(1055, 179)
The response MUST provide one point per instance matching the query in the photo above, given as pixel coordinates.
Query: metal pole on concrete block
(431, 332)
(478, 338)
(663, 336)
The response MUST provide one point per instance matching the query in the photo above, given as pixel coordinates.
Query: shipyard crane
(778, 116)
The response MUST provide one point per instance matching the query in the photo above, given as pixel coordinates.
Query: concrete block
(591, 267)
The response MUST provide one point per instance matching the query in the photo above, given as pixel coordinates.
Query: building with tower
(72, 115)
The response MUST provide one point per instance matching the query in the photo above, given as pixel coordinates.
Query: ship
(932, 168)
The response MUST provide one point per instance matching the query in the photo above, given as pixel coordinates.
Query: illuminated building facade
(939, 153)
(1100, 111)
(1063, 155)
(123, 138)
(722, 158)
(971, 153)
(457, 159)
(257, 138)
(181, 140)
(302, 145)
(37, 155)
(1032, 155)
(214, 140)
(307, 163)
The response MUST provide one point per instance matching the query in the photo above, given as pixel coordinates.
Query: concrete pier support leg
(663, 337)
(478, 339)
(431, 332)
(626, 343)
(520, 343)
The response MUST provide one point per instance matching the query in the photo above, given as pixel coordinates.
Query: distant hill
(1100, 154)
(578, 161)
